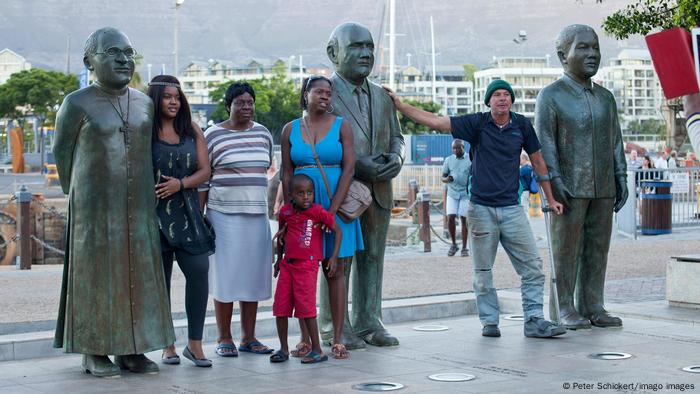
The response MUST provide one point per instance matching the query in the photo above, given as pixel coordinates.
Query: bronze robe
(113, 296)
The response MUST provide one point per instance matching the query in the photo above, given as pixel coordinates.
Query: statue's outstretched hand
(367, 169)
(391, 169)
(621, 193)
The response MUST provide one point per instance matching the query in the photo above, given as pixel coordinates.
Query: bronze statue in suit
(576, 122)
(379, 147)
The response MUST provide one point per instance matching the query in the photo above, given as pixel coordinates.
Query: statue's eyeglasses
(114, 52)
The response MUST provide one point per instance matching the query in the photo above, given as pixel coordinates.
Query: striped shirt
(239, 161)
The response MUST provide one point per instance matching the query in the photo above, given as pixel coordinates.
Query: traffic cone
(535, 205)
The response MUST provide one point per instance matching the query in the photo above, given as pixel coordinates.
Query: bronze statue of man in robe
(379, 148)
(113, 297)
(577, 124)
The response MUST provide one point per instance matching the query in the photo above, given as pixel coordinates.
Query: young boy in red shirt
(298, 270)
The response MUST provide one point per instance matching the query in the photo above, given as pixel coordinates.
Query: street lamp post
(178, 3)
(289, 67)
(522, 37)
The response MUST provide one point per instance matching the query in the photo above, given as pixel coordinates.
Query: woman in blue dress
(334, 145)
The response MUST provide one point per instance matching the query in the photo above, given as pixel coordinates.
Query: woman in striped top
(240, 151)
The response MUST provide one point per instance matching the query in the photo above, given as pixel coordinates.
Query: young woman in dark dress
(181, 164)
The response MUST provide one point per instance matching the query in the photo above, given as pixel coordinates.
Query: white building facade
(10, 63)
(527, 76)
(634, 83)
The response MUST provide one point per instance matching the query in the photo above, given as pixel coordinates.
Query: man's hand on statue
(391, 169)
(621, 193)
(169, 187)
(394, 97)
(561, 195)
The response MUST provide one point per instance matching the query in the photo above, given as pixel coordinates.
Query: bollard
(24, 222)
(412, 193)
(424, 219)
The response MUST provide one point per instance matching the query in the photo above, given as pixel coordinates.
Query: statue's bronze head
(351, 50)
(578, 51)
(109, 56)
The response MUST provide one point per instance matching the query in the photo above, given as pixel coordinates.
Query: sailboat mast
(392, 43)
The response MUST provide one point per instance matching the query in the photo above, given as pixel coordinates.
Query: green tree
(469, 70)
(647, 15)
(647, 127)
(35, 92)
(410, 127)
(276, 100)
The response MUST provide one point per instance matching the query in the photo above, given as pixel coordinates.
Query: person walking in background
(298, 270)
(526, 174)
(240, 152)
(181, 164)
(455, 174)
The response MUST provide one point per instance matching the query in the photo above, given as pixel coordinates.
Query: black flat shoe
(200, 362)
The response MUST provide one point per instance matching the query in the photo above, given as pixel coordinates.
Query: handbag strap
(312, 142)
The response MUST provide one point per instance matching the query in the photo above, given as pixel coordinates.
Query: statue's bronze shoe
(136, 363)
(100, 366)
(381, 338)
(573, 321)
(604, 319)
(352, 341)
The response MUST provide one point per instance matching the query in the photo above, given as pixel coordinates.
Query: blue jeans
(509, 225)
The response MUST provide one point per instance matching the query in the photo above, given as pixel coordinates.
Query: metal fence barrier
(685, 207)
(427, 176)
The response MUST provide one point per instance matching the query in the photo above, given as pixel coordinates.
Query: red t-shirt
(304, 239)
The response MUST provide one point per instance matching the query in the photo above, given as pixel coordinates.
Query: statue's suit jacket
(385, 136)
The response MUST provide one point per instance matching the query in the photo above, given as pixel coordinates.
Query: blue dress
(330, 153)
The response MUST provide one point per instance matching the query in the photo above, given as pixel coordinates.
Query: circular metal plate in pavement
(378, 386)
(692, 369)
(610, 356)
(515, 317)
(431, 327)
(451, 377)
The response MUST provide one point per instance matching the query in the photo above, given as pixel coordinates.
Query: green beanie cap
(495, 85)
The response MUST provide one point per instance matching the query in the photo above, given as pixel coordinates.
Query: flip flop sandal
(226, 350)
(452, 251)
(339, 351)
(313, 358)
(255, 347)
(465, 252)
(279, 357)
(302, 350)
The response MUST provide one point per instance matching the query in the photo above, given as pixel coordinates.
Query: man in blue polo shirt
(494, 215)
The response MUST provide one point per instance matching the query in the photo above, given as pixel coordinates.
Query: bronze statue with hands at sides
(379, 148)
(577, 124)
(113, 297)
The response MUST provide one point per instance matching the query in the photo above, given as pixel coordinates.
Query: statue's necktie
(363, 103)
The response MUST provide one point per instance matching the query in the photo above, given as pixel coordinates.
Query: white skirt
(241, 268)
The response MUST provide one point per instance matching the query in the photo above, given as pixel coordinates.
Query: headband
(173, 84)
